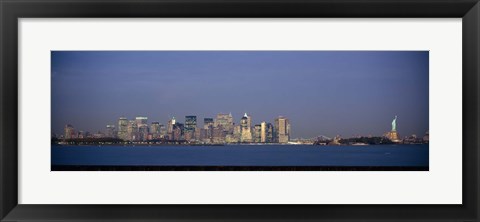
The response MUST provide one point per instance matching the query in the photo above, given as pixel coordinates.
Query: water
(243, 155)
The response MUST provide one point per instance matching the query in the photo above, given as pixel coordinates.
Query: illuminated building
(142, 132)
(207, 123)
(177, 132)
(245, 127)
(225, 121)
(69, 132)
(142, 126)
(257, 132)
(170, 125)
(190, 123)
(122, 128)
(282, 130)
(98, 135)
(263, 132)
(155, 130)
(132, 130)
(237, 133)
(110, 132)
(190, 127)
(163, 131)
(218, 134)
(81, 134)
(266, 132)
(270, 133)
(141, 120)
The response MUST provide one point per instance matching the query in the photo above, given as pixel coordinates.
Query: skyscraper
(178, 131)
(170, 128)
(270, 133)
(141, 120)
(190, 127)
(245, 127)
(142, 125)
(122, 128)
(132, 130)
(218, 134)
(237, 133)
(110, 131)
(263, 132)
(143, 132)
(208, 125)
(282, 130)
(163, 131)
(69, 132)
(257, 133)
(249, 120)
(155, 130)
(266, 132)
(225, 121)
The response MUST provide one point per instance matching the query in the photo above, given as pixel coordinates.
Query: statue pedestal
(393, 136)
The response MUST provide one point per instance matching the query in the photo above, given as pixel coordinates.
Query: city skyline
(313, 88)
(219, 130)
(192, 124)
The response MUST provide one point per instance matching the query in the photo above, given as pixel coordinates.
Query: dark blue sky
(321, 92)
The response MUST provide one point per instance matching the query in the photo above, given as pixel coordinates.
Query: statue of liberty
(394, 124)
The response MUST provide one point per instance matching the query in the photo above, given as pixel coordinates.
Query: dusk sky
(321, 92)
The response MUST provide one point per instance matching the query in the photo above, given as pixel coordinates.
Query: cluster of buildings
(221, 129)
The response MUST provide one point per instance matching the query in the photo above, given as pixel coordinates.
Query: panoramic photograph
(239, 110)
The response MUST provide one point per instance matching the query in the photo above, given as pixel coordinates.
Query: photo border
(11, 11)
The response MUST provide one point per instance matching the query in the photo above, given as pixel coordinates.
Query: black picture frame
(12, 10)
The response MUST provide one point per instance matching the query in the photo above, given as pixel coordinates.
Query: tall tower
(69, 132)
(245, 126)
(225, 121)
(110, 131)
(142, 126)
(155, 130)
(266, 133)
(208, 127)
(190, 123)
(122, 128)
(282, 130)
(263, 132)
(270, 133)
(190, 127)
(141, 120)
(170, 128)
(207, 123)
(132, 130)
(178, 131)
(257, 132)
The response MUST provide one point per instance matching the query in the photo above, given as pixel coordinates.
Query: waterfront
(415, 156)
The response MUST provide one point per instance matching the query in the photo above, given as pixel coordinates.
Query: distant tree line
(367, 140)
(80, 141)
(108, 140)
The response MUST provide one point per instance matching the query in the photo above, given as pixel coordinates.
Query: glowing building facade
(282, 130)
